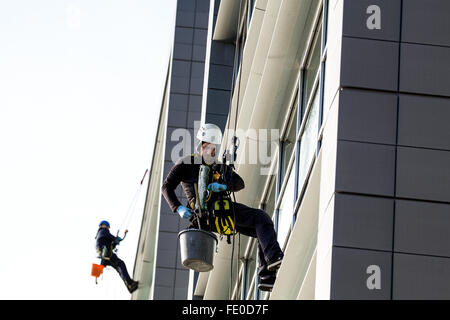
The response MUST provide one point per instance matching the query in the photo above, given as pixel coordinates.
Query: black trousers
(257, 223)
(120, 267)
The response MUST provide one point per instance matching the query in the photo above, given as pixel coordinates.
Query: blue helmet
(104, 222)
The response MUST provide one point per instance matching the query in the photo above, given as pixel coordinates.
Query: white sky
(81, 84)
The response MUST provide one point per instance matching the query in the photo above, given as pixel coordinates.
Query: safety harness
(214, 208)
(106, 252)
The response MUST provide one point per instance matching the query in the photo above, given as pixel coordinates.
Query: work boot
(132, 286)
(266, 283)
(274, 264)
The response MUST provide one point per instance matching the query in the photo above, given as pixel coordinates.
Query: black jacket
(104, 238)
(185, 171)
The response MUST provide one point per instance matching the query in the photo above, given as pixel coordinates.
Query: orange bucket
(97, 270)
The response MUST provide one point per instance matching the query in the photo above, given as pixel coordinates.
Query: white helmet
(209, 133)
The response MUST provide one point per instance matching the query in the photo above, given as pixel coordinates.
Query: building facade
(357, 176)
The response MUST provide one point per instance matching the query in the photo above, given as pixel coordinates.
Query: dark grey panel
(217, 119)
(350, 274)
(195, 103)
(179, 264)
(367, 116)
(424, 122)
(169, 221)
(197, 75)
(184, 35)
(165, 210)
(185, 19)
(163, 293)
(220, 77)
(186, 5)
(222, 53)
(180, 194)
(363, 222)
(182, 278)
(199, 53)
(218, 101)
(198, 69)
(356, 18)
(167, 249)
(426, 22)
(369, 64)
(365, 168)
(177, 118)
(180, 293)
(178, 102)
(423, 174)
(196, 86)
(164, 277)
(181, 68)
(179, 85)
(201, 20)
(166, 258)
(425, 69)
(422, 227)
(193, 116)
(182, 51)
(168, 164)
(200, 36)
(421, 277)
(202, 5)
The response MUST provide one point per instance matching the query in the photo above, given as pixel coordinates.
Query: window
(288, 143)
(269, 204)
(285, 211)
(308, 142)
(311, 69)
(311, 90)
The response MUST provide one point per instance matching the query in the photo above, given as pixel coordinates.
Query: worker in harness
(105, 244)
(248, 221)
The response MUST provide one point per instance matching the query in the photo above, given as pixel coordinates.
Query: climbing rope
(131, 209)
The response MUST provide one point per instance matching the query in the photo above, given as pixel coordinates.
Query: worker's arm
(171, 182)
(236, 183)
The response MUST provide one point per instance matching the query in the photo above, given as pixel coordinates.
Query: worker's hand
(184, 212)
(216, 187)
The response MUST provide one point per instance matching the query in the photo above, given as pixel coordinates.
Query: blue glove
(184, 212)
(216, 187)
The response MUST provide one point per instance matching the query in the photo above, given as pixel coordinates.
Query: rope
(236, 49)
(131, 209)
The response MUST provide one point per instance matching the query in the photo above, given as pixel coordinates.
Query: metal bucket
(197, 249)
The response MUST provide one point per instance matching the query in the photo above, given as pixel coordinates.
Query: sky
(81, 84)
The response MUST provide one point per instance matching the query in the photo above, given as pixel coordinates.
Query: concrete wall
(392, 199)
